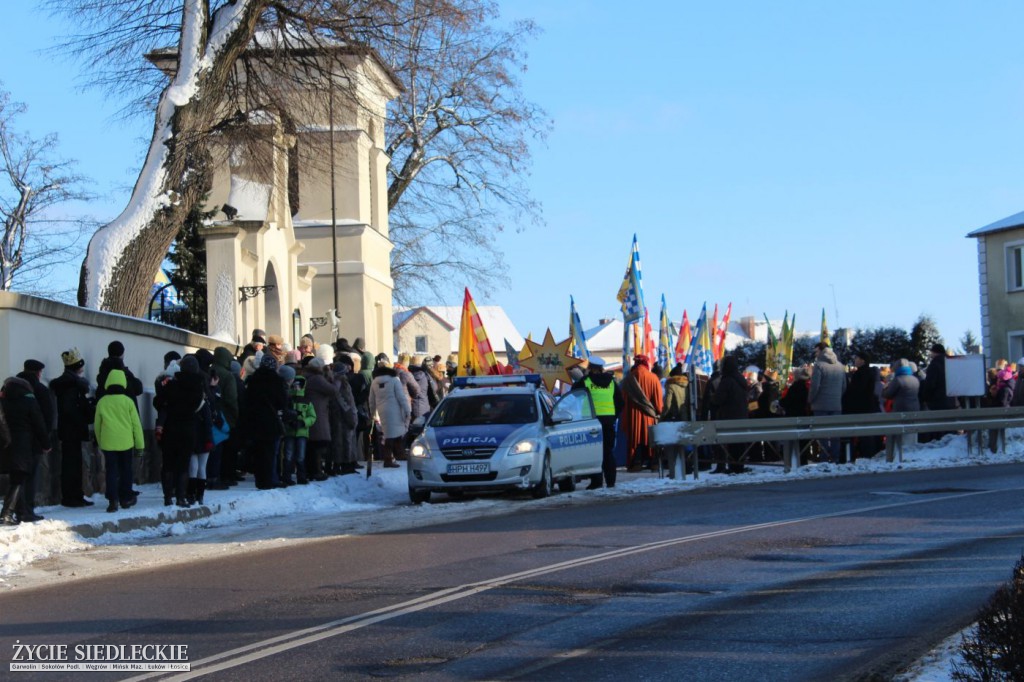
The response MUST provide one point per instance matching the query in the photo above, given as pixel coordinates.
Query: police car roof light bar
(502, 380)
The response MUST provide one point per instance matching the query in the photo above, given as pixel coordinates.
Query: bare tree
(240, 62)
(35, 237)
(459, 140)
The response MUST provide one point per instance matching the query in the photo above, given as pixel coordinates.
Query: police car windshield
(485, 409)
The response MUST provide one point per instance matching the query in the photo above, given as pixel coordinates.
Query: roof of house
(1008, 223)
(497, 324)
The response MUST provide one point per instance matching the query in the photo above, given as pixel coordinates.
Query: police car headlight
(418, 449)
(523, 446)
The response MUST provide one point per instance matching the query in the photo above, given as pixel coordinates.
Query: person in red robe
(642, 398)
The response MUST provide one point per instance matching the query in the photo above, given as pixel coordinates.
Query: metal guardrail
(791, 430)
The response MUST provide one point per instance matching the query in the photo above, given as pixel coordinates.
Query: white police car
(505, 432)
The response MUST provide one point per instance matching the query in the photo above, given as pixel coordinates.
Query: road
(846, 578)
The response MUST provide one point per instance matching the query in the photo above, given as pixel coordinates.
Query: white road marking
(268, 647)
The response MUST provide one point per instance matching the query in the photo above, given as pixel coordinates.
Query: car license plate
(469, 468)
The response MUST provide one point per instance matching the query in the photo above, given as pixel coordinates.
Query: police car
(501, 433)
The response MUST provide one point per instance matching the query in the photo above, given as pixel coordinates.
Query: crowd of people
(286, 416)
(292, 416)
(820, 388)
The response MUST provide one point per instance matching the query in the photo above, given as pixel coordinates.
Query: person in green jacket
(299, 416)
(118, 434)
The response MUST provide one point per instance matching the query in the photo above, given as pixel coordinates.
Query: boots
(167, 482)
(190, 495)
(10, 502)
(200, 484)
(179, 491)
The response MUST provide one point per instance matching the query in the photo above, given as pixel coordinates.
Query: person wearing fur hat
(28, 434)
(75, 411)
(391, 409)
(642, 405)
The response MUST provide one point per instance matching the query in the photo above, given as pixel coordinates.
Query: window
(421, 344)
(577, 404)
(1015, 266)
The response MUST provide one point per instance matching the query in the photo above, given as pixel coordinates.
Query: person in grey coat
(320, 390)
(828, 384)
(904, 388)
(421, 403)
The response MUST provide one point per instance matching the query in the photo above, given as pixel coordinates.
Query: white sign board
(965, 375)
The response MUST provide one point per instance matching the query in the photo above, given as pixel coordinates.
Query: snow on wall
(222, 323)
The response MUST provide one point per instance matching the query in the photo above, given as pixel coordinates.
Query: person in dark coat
(730, 399)
(179, 400)
(321, 391)
(421, 402)
(863, 396)
(27, 434)
(115, 360)
(33, 374)
(794, 403)
(933, 388)
(265, 399)
(344, 418)
(75, 412)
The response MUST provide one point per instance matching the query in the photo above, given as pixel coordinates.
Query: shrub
(994, 650)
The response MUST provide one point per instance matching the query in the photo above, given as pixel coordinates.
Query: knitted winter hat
(287, 373)
(71, 357)
(269, 361)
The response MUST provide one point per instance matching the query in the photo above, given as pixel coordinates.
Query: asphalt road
(846, 578)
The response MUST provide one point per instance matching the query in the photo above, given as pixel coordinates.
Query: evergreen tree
(923, 336)
(883, 344)
(969, 343)
(188, 256)
(750, 353)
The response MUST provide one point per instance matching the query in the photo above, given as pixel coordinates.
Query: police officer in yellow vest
(607, 405)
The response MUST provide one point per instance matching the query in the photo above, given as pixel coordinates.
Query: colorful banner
(664, 337)
(513, 356)
(631, 294)
(720, 331)
(700, 355)
(476, 358)
(578, 340)
(825, 338)
(650, 347)
(683, 343)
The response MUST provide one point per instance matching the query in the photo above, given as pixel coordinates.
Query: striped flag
(631, 294)
(476, 358)
(700, 355)
(577, 339)
(650, 347)
(683, 344)
(664, 337)
(722, 328)
(771, 348)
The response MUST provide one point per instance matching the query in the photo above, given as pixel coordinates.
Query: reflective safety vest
(604, 398)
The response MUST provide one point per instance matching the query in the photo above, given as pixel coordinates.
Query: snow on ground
(79, 543)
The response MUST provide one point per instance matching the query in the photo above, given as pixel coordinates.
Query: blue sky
(782, 156)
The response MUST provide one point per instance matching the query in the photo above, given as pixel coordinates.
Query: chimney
(747, 324)
(604, 320)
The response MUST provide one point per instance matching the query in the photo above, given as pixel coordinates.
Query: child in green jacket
(118, 433)
(299, 416)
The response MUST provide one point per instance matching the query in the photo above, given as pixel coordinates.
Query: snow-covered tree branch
(459, 136)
